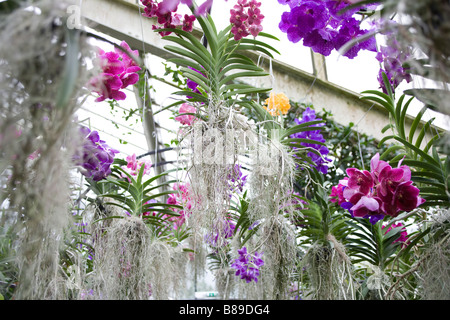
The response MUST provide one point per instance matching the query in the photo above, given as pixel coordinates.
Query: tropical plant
(431, 169)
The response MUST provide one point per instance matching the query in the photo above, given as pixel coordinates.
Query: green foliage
(8, 268)
(431, 171)
(371, 243)
(142, 198)
(221, 65)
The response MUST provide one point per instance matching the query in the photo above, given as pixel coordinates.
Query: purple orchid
(248, 265)
(322, 26)
(320, 161)
(97, 157)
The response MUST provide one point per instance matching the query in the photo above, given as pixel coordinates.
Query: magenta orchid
(182, 198)
(135, 165)
(119, 71)
(403, 238)
(382, 191)
(246, 19)
(167, 16)
(337, 192)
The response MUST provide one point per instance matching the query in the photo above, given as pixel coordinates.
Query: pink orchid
(134, 166)
(246, 18)
(166, 15)
(118, 72)
(376, 165)
(186, 119)
(360, 180)
(337, 192)
(182, 198)
(382, 191)
(403, 238)
(365, 206)
(167, 6)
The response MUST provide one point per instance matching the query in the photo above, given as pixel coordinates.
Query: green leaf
(241, 74)
(306, 126)
(245, 91)
(209, 30)
(302, 140)
(384, 103)
(402, 119)
(259, 43)
(197, 77)
(71, 69)
(416, 123)
(186, 53)
(195, 49)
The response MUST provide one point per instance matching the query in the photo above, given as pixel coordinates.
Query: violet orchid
(320, 161)
(322, 27)
(393, 58)
(248, 265)
(96, 157)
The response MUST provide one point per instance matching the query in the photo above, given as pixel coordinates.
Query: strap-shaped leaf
(252, 90)
(391, 149)
(186, 53)
(227, 58)
(267, 35)
(242, 74)
(298, 128)
(204, 55)
(384, 103)
(186, 63)
(124, 202)
(418, 151)
(398, 108)
(168, 107)
(302, 140)
(235, 60)
(423, 165)
(197, 78)
(195, 96)
(239, 66)
(430, 144)
(188, 35)
(422, 132)
(258, 43)
(429, 174)
(254, 48)
(210, 32)
(416, 123)
(402, 120)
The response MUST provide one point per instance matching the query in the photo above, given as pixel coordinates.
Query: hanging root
(329, 271)
(131, 264)
(280, 257)
(435, 264)
(36, 119)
